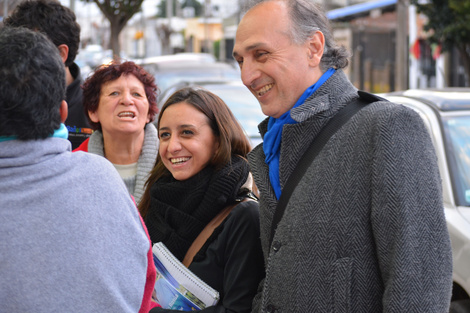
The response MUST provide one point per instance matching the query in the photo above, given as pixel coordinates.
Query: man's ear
(64, 52)
(315, 46)
(64, 111)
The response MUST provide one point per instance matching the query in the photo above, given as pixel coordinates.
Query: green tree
(118, 13)
(449, 26)
(198, 7)
(183, 4)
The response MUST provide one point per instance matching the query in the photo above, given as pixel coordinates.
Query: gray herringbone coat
(364, 231)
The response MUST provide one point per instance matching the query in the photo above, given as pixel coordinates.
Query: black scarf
(179, 210)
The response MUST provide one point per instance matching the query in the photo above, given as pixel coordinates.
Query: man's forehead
(257, 31)
(269, 11)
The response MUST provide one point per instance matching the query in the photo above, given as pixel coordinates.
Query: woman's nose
(127, 99)
(174, 144)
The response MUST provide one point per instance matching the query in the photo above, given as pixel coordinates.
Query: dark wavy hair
(51, 18)
(109, 72)
(32, 84)
(230, 135)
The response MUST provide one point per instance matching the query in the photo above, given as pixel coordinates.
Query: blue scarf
(272, 138)
(62, 132)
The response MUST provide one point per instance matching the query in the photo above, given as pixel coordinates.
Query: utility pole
(5, 9)
(169, 11)
(401, 57)
(169, 15)
(207, 16)
(240, 11)
(413, 36)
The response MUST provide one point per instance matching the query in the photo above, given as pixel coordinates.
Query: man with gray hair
(71, 237)
(360, 226)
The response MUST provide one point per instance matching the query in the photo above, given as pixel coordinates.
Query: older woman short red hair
(120, 100)
(109, 72)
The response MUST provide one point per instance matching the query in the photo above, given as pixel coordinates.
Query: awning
(361, 9)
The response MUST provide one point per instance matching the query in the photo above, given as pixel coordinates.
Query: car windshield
(167, 79)
(457, 133)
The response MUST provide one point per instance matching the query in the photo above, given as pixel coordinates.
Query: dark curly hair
(32, 84)
(52, 19)
(109, 72)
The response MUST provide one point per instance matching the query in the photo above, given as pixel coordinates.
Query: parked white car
(179, 58)
(446, 113)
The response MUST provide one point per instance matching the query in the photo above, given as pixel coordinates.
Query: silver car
(446, 113)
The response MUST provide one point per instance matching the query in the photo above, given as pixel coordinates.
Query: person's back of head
(47, 201)
(51, 18)
(306, 18)
(33, 84)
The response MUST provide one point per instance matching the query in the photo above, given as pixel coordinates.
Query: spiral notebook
(178, 288)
